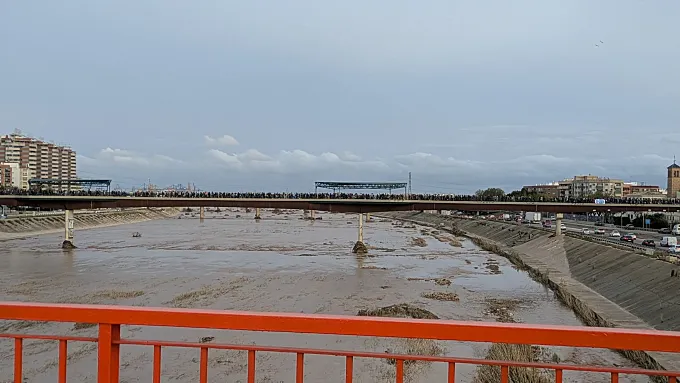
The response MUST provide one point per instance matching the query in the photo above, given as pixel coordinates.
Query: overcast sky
(274, 95)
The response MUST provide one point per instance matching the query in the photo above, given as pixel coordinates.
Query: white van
(668, 242)
(676, 229)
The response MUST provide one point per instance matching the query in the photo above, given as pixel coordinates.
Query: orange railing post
(109, 353)
(18, 360)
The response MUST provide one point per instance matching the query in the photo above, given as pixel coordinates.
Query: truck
(532, 217)
(676, 229)
(668, 242)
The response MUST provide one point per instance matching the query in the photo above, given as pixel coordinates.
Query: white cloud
(162, 157)
(431, 171)
(293, 161)
(114, 152)
(255, 155)
(126, 158)
(431, 162)
(229, 159)
(225, 140)
(349, 156)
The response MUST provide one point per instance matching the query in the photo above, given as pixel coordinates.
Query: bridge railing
(110, 319)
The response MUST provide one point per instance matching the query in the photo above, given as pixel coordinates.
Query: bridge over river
(334, 205)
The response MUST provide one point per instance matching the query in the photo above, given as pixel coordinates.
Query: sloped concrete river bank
(605, 286)
(280, 263)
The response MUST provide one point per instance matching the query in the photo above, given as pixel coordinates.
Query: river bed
(280, 263)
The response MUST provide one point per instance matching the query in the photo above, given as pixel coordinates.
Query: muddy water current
(281, 263)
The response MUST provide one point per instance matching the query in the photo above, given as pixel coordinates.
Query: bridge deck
(339, 205)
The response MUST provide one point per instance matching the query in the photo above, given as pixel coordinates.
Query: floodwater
(281, 263)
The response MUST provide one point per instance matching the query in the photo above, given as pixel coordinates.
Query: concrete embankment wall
(605, 286)
(19, 227)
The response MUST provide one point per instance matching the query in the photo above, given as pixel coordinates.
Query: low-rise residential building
(564, 189)
(646, 195)
(548, 190)
(638, 188)
(580, 187)
(585, 186)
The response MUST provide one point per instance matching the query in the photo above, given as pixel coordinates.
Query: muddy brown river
(281, 263)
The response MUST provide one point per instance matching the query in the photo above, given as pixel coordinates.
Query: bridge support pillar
(257, 213)
(359, 246)
(368, 217)
(201, 213)
(312, 214)
(558, 223)
(69, 228)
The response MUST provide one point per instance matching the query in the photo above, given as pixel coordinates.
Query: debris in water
(450, 297)
(516, 353)
(420, 347)
(371, 267)
(80, 326)
(501, 309)
(492, 266)
(402, 310)
(455, 243)
(206, 339)
(359, 248)
(439, 281)
(418, 242)
(136, 234)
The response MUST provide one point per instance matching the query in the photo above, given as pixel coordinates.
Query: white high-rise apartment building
(37, 159)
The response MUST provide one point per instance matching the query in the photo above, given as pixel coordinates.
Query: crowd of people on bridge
(338, 195)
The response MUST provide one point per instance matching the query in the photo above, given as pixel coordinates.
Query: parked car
(628, 238)
(631, 235)
(614, 233)
(665, 230)
(599, 231)
(599, 223)
(674, 249)
(586, 231)
(630, 226)
(649, 243)
(563, 227)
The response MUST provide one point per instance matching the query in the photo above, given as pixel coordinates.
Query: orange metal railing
(110, 318)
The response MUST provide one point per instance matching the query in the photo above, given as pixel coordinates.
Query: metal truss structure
(335, 186)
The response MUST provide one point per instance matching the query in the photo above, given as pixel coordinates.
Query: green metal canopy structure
(335, 186)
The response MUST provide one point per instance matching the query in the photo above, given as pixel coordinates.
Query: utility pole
(409, 184)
